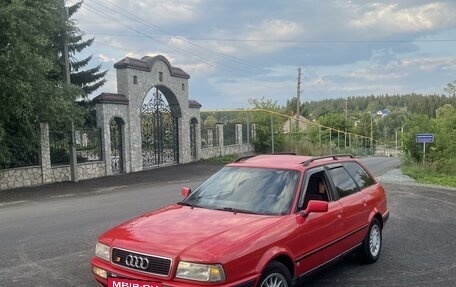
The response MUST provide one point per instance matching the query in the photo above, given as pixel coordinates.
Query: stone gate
(150, 113)
(119, 115)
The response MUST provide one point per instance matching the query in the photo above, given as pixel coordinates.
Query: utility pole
(298, 99)
(298, 94)
(72, 146)
(372, 137)
(346, 120)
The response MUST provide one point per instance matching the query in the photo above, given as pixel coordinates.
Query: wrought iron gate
(159, 132)
(116, 145)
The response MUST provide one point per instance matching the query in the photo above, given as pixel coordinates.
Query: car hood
(189, 233)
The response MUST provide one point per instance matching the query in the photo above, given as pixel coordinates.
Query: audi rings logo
(137, 262)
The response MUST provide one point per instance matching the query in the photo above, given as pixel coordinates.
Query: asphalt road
(48, 233)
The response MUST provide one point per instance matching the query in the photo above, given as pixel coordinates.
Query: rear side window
(343, 181)
(359, 174)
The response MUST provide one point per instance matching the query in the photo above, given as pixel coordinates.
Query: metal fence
(88, 145)
(229, 133)
(229, 119)
(58, 145)
(273, 132)
(209, 136)
(87, 142)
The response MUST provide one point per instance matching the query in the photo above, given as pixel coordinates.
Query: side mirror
(315, 206)
(186, 191)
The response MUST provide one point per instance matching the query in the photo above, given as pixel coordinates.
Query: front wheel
(275, 275)
(372, 244)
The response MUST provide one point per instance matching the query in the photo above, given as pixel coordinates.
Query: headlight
(103, 251)
(200, 272)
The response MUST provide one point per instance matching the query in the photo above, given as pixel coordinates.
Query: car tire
(372, 243)
(275, 275)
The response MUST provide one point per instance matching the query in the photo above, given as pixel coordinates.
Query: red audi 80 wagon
(263, 220)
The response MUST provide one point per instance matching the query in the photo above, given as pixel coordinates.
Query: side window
(361, 177)
(343, 181)
(315, 188)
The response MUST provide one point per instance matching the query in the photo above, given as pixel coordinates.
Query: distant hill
(411, 103)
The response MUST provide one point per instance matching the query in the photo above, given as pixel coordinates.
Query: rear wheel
(372, 244)
(275, 275)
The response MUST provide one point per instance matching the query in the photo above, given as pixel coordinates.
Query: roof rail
(334, 157)
(242, 158)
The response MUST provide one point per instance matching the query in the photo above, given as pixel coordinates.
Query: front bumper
(114, 271)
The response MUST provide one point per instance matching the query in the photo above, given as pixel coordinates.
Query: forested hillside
(411, 103)
(408, 116)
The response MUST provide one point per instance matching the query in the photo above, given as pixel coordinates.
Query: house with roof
(383, 113)
(290, 124)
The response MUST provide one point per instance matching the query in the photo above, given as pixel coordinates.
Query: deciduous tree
(28, 95)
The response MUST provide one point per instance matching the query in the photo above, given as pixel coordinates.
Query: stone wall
(221, 150)
(33, 175)
(85, 171)
(19, 177)
(238, 149)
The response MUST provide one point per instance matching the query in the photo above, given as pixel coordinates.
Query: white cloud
(199, 69)
(266, 37)
(426, 64)
(177, 41)
(106, 59)
(176, 11)
(391, 18)
(276, 30)
(240, 90)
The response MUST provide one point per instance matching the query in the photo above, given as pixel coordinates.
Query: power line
(135, 18)
(284, 41)
(94, 10)
(185, 39)
(181, 51)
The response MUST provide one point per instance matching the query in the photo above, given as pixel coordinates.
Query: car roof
(286, 161)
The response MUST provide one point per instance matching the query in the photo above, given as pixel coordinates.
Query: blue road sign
(424, 138)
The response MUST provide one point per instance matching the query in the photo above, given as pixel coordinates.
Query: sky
(236, 50)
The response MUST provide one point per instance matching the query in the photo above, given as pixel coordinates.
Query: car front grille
(141, 262)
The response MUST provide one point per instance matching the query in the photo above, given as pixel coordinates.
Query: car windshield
(248, 190)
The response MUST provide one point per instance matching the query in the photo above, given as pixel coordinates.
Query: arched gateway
(157, 117)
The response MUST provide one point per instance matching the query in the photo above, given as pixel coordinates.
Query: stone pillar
(238, 133)
(210, 138)
(106, 147)
(46, 171)
(253, 132)
(220, 134)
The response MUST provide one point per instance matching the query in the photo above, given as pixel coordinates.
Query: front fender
(270, 255)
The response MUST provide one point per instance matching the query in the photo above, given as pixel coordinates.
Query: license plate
(119, 282)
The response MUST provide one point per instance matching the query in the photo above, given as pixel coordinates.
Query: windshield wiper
(186, 203)
(235, 210)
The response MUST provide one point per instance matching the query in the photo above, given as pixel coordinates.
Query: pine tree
(90, 79)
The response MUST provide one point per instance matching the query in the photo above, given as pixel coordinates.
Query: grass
(222, 159)
(428, 175)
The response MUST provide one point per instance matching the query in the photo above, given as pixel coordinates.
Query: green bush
(430, 173)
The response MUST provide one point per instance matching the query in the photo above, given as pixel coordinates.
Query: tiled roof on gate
(146, 63)
(193, 104)
(111, 98)
(132, 63)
